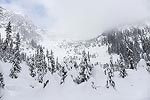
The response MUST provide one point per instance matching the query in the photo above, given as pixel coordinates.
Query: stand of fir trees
(131, 43)
(84, 68)
(10, 51)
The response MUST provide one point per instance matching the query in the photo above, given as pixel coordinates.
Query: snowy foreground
(134, 87)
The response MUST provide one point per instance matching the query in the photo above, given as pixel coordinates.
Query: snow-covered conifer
(8, 36)
(16, 60)
(63, 74)
(123, 72)
(130, 58)
(1, 81)
(32, 67)
(85, 68)
(51, 61)
(40, 63)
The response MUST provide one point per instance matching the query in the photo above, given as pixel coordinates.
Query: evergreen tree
(48, 59)
(148, 66)
(16, 60)
(51, 62)
(10, 52)
(130, 58)
(32, 67)
(111, 63)
(2, 85)
(57, 65)
(8, 36)
(123, 72)
(40, 63)
(136, 53)
(88, 56)
(63, 74)
(109, 74)
(7, 43)
(85, 68)
(1, 81)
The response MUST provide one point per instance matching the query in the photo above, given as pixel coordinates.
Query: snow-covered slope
(133, 87)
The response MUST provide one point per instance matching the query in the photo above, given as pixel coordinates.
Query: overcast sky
(80, 19)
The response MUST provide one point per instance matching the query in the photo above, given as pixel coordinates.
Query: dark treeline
(133, 44)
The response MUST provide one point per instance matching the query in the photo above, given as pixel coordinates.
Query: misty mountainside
(114, 65)
(117, 40)
(20, 23)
